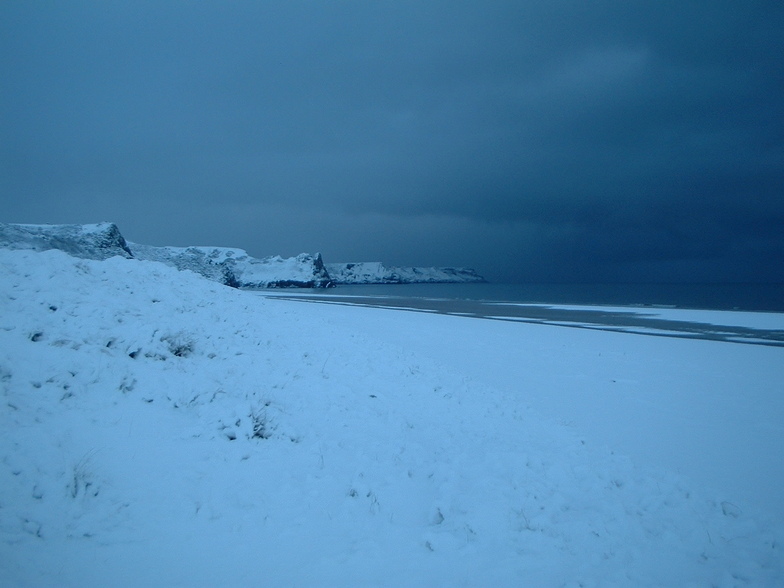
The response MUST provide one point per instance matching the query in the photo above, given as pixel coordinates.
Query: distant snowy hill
(374, 272)
(231, 267)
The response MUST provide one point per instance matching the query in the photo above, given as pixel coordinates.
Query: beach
(159, 429)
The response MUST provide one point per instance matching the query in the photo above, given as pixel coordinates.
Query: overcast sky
(531, 140)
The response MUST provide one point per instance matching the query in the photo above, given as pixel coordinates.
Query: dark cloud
(553, 140)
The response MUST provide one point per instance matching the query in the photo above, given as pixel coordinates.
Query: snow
(160, 429)
(374, 272)
(92, 241)
(235, 267)
(729, 318)
(226, 265)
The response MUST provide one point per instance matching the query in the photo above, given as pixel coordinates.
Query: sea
(746, 297)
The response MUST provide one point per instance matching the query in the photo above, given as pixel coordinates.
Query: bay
(748, 297)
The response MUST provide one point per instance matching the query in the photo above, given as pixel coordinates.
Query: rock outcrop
(374, 272)
(234, 267)
(96, 241)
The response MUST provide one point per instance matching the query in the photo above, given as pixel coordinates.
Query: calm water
(757, 297)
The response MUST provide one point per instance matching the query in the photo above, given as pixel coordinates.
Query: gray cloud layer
(546, 140)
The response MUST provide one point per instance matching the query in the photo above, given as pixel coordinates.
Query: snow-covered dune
(160, 429)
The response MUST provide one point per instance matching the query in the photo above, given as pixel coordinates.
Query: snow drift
(160, 429)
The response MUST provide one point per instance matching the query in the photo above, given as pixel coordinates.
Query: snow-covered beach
(160, 429)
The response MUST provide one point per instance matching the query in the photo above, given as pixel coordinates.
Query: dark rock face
(97, 241)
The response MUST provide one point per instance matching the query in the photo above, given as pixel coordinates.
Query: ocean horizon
(714, 296)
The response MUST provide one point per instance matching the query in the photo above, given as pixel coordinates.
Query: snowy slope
(159, 429)
(374, 272)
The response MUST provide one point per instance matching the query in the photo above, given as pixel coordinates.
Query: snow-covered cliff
(232, 267)
(374, 272)
(94, 241)
(229, 266)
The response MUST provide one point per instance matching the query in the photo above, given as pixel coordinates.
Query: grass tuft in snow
(179, 344)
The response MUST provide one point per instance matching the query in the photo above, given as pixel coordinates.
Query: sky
(548, 140)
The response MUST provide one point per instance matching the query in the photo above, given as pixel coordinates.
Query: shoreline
(651, 321)
(676, 403)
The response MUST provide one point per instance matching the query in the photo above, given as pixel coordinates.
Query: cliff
(232, 267)
(95, 241)
(229, 266)
(375, 272)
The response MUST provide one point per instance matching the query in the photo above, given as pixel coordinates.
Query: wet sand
(640, 320)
